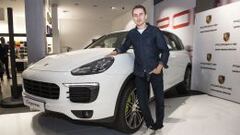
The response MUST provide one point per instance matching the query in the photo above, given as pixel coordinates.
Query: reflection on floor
(190, 115)
(6, 84)
(6, 92)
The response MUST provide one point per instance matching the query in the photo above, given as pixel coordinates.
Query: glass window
(109, 41)
(174, 41)
(170, 44)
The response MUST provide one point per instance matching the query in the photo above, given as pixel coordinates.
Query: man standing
(4, 55)
(148, 43)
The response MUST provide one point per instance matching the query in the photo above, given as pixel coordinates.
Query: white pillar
(55, 30)
(36, 29)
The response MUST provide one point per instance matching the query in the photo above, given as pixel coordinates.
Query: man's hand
(113, 53)
(157, 70)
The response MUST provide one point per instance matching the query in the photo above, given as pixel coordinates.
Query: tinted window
(109, 41)
(115, 40)
(174, 42)
(169, 44)
(181, 46)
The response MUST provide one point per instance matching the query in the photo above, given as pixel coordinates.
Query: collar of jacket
(146, 24)
(146, 30)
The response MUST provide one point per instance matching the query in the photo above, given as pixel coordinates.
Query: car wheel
(129, 117)
(185, 86)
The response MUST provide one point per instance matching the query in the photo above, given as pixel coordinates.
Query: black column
(16, 99)
(12, 53)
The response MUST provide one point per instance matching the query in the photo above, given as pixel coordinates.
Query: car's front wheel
(129, 116)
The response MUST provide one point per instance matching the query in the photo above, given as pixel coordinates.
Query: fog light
(83, 113)
(87, 114)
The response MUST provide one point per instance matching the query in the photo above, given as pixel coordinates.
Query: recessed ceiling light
(113, 8)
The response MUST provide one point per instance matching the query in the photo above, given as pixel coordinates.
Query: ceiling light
(113, 8)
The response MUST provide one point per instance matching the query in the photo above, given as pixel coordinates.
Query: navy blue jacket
(147, 49)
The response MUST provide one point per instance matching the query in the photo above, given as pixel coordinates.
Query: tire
(129, 117)
(185, 86)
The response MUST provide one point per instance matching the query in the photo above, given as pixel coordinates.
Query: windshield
(109, 41)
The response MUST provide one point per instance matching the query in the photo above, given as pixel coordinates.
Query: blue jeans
(143, 85)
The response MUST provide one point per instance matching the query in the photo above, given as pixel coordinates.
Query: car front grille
(41, 89)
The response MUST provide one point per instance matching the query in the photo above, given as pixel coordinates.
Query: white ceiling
(94, 9)
(83, 10)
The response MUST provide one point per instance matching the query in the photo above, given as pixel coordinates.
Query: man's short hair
(139, 6)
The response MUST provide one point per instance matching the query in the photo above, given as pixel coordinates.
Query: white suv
(86, 85)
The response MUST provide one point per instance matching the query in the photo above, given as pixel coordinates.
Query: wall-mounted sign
(216, 63)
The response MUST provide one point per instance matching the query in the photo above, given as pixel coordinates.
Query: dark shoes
(156, 127)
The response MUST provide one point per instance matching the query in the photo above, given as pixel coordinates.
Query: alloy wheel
(133, 114)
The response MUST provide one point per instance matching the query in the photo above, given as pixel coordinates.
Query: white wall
(124, 22)
(18, 16)
(19, 25)
(79, 33)
(181, 25)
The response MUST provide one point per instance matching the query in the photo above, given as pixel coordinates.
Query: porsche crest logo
(226, 36)
(221, 79)
(209, 57)
(208, 19)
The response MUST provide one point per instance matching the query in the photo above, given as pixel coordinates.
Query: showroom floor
(6, 92)
(197, 114)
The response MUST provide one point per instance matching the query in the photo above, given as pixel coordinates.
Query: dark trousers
(5, 62)
(143, 85)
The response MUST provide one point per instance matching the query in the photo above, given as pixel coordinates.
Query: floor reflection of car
(86, 85)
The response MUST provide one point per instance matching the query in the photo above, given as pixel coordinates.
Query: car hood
(71, 60)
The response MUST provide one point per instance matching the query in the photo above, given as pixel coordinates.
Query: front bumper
(102, 107)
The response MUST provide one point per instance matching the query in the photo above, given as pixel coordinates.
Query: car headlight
(94, 67)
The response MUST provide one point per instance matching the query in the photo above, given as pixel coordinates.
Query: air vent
(1, 14)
